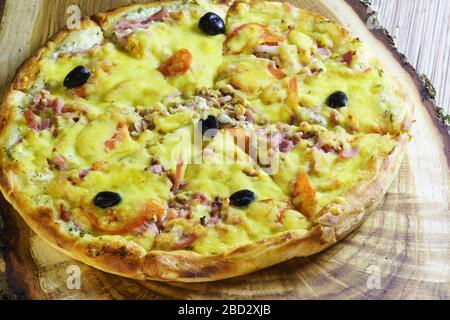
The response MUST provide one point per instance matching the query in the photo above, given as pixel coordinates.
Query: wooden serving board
(402, 251)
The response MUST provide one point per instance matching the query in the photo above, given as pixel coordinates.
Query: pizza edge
(130, 260)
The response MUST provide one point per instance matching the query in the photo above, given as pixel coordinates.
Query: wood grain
(404, 244)
(421, 30)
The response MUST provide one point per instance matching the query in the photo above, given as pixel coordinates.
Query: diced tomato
(178, 64)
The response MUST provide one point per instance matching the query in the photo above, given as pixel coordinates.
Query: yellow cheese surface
(134, 130)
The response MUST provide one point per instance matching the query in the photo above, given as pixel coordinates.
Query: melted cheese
(132, 122)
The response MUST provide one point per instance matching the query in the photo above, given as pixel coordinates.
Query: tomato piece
(122, 132)
(150, 211)
(178, 64)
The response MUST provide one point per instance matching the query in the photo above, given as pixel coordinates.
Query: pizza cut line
(200, 140)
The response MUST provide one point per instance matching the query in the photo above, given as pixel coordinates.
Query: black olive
(212, 24)
(242, 198)
(77, 77)
(210, 127)
(337, 100)
(107, 199)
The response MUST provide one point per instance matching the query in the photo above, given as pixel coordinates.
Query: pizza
(200, 140)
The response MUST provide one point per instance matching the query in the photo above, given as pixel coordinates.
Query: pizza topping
(177, 178)
(201, 198)
(122, 132)
(77, 77)
(216, 207)
(209, 126)
(267, 51)
(305, 194)
(151, 212)
(348, 154)
(242, 198)
(277, 73)
(178, 64)
(286, 145)
(65, 214)
(58, 106)
(348, 57)
(185, 242)
(127, 27)
(107, 199)
(59, 163)
(323, 52)
(30, 117)
(156, 169)
(212, 24)
(337, 100)
(259, 35)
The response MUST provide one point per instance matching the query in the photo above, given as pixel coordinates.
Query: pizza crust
(132, 261)
(183, 266)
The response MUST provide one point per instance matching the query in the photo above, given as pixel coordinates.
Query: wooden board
(402, 251)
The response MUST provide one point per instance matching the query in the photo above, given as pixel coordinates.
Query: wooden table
(406, 241)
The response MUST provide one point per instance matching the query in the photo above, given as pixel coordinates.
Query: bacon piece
(156, 169)
(286, 145)
(185, 242)
(58, 106)
(348, 154)
(224, 100)
(178, 64)
(348, 57)
(143, 23)
(214, 220)
(66, 215)
(323, 52)
(306, 201)
(31, 119)
(45, 124)
(177, 178)
(201, 198)
(60, 163)
(84, 173)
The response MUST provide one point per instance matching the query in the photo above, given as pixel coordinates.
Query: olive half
(212, 24)
(77, 77)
